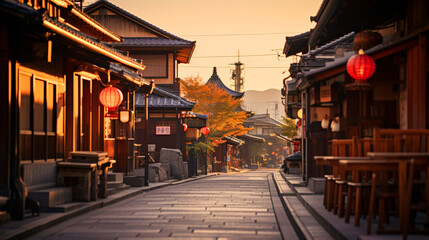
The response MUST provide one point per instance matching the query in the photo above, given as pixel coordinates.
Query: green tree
(289, 128)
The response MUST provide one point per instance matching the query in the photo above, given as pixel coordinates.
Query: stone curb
(334, 232)
(286, 224)
(49, 221)
(293, 218)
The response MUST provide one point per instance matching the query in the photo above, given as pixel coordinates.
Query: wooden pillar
(416, 84)
(70, 89)
(97, 144)
(5, 77)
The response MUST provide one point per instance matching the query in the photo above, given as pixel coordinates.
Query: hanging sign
(163, 130)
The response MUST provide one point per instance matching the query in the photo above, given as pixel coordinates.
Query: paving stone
(224, 231)
(234, 206)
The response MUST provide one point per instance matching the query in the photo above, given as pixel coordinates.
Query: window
(38, 118)
(156, 66)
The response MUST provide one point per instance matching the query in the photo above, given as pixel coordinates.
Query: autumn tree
(224, 117)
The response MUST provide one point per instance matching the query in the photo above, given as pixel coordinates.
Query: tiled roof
(215, 80)
(163, 99)
(127, 74)
(94, 5)
(234, 141)
(23, 8)
(17, 6)
(296, 44)
(348, 38)
(154, 42)
(251, 137)
(90, 39)
(263, 119)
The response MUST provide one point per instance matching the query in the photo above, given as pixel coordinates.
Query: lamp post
(205, 131)
(147, 89)
(146, 139)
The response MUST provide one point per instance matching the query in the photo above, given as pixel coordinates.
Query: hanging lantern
(215, 141)
(205, 131)
(361, 67)
(299, 113)
(185, 127)
(325, 122)
(111, 97)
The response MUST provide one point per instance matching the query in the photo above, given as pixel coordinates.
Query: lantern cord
(102, 83)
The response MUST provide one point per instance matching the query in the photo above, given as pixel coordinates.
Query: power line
(237, 34)
(227, 56)
(188, 66)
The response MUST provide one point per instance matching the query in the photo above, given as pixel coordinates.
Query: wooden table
(402, 159)
(334, 160)
(89, 172)
(357, 166)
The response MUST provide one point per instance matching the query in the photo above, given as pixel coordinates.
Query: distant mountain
(264, 101)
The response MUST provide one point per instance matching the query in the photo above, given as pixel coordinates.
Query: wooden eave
(340, 17)
(183, 55)
(131, 18)
(375, 53)
(87, 25)
(97, 48)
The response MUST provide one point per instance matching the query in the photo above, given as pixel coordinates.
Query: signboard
(162, 130)
(151, 147)
(325, 94)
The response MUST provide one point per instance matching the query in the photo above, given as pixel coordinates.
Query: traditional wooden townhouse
(162, 53)
(369, 101)
(268, 128)
(54, 64)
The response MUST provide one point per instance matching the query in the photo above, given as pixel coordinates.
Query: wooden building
(161, 52)
(269, 129)
(167, 113)
(53, 65)
(395, 36)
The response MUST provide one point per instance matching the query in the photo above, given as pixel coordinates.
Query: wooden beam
(416, 85)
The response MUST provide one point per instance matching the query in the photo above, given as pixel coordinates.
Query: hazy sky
(224, 27)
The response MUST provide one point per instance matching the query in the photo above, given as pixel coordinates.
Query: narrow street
(228, 206)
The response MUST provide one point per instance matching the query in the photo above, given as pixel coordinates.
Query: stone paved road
(228, 206)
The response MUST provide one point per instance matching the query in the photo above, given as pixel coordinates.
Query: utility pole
(237, 75)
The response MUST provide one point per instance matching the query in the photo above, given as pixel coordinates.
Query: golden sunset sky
(222, 28)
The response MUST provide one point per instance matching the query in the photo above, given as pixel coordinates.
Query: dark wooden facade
(52, 76)
(397, 92)
(161, 52)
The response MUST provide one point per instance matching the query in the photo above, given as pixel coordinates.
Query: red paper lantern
(205, 130)
(215, 141)
(361, 67)
(111, 97)
(185, 127)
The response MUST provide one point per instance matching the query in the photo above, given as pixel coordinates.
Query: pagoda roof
(215, 80)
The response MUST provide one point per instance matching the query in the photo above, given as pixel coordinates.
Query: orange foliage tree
(224, 115)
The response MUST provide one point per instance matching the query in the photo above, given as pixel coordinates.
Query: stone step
(51, 196)
(134, 181)
(114, 184)
(4, 217)
(115, 177)
(66, 207)
(111, 191)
